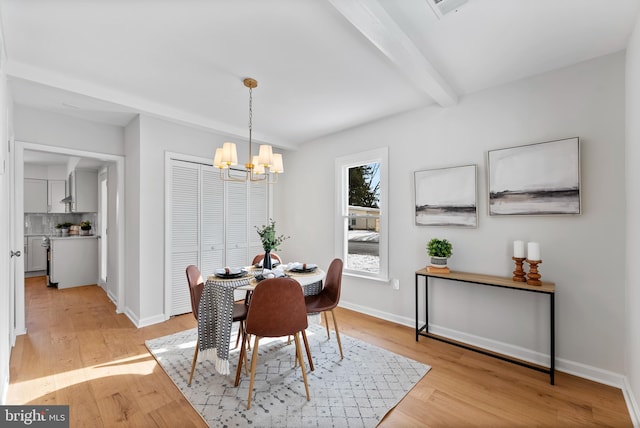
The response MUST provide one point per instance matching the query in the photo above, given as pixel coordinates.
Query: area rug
(354, 392)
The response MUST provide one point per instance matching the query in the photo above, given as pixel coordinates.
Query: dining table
(215, 312)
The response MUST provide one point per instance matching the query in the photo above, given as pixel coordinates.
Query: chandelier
(264, 167)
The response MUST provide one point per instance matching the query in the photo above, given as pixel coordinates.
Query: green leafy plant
(66, 225)
(85, 225)
(270, 241)
(439, 248)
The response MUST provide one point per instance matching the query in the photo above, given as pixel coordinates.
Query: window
(362, 217)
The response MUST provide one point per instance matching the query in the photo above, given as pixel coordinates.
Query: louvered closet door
(258, 209)
(185, 234)
(236, 224)
(212, 247)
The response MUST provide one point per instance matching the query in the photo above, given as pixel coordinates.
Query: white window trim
(342, 165)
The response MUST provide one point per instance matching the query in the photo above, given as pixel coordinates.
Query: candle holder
(519, 273)
(533, 277)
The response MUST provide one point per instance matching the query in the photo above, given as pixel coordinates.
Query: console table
(548, 288)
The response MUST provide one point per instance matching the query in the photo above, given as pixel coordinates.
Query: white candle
(533, 251)
(518, 249)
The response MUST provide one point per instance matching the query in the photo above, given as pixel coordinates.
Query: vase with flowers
(270, 241)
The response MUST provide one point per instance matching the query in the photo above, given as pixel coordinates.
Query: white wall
(132, 203)
(585, 100)
(6, 313)
(633, 213)
(43, 127)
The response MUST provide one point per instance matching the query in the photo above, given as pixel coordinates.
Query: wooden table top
(501, 281)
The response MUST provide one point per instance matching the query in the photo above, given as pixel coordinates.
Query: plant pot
(439, 261)
(65, 231)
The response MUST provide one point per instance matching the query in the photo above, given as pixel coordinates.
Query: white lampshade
(257, 167)
(229, 154)
(265, 156)
(278, 166)
(217, 159)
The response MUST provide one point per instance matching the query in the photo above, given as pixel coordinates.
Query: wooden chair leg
(335, 324)
(242, 359)
(195, 359)
(326, 323)
(306, 346)
(240, 329)
(301, 361)
(246, 362)
(254, 359)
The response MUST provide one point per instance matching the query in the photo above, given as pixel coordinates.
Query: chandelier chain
(250, 114)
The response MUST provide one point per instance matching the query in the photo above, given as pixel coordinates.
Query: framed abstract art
(536, 179)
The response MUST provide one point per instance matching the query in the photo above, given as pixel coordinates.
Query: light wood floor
(78, 351)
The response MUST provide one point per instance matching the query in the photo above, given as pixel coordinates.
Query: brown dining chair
(277, 309)
(259, 257)
(328, 298)
(196, 287)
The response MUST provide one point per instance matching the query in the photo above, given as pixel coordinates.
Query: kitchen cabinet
(35, 195)
(36, 254)
(74, 261)
(57, 191)
(83, 189)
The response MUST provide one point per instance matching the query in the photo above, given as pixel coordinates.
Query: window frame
(342, 218)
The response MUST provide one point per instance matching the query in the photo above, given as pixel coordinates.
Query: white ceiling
(322, 65)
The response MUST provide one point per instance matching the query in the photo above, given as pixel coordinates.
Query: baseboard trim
(632, 404)
(132, 317)
(571, 367)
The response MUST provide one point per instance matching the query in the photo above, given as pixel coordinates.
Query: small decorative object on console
(439, 250)
(518, 257)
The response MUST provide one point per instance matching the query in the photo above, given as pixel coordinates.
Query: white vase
(439, 261)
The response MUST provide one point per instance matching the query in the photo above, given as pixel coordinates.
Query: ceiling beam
(370, 18)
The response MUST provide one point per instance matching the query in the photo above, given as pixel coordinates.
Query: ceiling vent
(442, 7)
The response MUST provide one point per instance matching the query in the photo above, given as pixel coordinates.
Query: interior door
(101, 228)
(184, 216)
(236, 224)
(212, 214)
(16, 172)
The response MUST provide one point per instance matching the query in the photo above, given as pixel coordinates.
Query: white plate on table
(231, 273)
(303, 268)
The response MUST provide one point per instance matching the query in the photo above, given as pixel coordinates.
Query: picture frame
(535, 179)
(446, 196)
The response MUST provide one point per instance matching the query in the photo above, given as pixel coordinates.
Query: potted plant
(270, 241)
(85, 228)
(64, 228)
(439, 250)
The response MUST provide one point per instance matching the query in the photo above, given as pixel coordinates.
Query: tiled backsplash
(45, 224)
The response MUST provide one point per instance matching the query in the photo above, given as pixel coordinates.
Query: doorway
(115, 219)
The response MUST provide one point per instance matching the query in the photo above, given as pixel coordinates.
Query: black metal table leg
(417, 322)
(552, 365)
(426, 304)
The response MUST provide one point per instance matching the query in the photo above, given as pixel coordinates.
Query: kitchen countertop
(74, 237)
